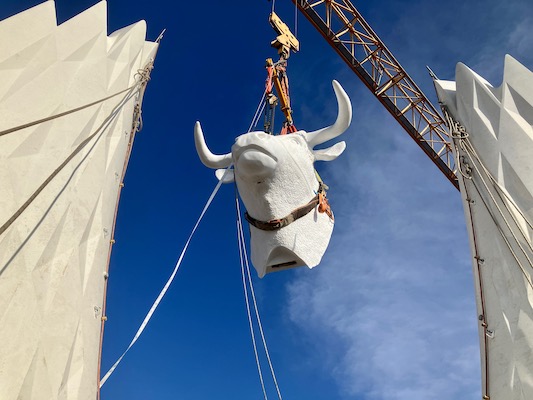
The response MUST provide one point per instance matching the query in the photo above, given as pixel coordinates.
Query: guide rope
(242, 255)
(100, 130)
(296, 19)
(248, 281)
(246, 278)
(483, 316)
(483, 312)
(462, 138)
(469, 149)
(167, 284)
(142, 78)
(55, 116)
(473, 156)
(258, 112)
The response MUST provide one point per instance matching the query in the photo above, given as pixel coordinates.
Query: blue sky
(390, 312)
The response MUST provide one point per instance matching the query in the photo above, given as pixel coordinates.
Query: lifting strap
(167, 285)
(275, 224)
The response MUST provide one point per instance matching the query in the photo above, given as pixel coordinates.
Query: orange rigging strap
(277, 77)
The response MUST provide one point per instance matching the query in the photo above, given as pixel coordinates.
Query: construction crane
(353, 39)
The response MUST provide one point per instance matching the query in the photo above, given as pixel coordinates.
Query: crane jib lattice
(358, 45)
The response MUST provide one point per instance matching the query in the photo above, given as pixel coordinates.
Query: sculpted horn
(344, 118)
(209, 159)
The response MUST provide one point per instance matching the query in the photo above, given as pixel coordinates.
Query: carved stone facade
(58, 219)
(493, 143)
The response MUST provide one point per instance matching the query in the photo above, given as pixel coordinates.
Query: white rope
(171, 278)
(470, 151)
(242, 255)
(258, 112)
(52, 117)
(296, 19)
(267, 353)
(502, 234)
(504, 218)
(142, 77)
(500, 190)
(165, 288)
(247, 278)
(462, 137)
(260, 325)
(99, 131)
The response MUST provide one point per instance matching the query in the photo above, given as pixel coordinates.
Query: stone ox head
(275, 176)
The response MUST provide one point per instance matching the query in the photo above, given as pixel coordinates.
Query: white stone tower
(493, 143)
(59, 186)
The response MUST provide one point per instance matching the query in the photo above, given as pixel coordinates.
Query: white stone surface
(274, 176)
(53, 257)
(499, 213)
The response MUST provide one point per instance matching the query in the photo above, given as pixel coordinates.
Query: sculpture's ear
(330, 153)
(225, 175)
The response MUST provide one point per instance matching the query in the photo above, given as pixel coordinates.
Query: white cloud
(520, 39)
(391, 308)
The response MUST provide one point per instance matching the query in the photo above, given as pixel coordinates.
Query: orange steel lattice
(354, 40)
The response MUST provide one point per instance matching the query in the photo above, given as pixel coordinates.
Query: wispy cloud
(521, 41)
(391, 307)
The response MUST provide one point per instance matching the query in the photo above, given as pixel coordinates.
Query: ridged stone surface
(54, 255)
(498, 203)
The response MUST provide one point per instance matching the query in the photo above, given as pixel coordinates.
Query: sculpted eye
(297, 140)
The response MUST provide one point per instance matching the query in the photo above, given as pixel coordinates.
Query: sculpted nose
(262, 135)
(251, 138)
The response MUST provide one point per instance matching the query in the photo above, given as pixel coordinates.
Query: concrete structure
(493, 143)
(275, 175)
(59, 186)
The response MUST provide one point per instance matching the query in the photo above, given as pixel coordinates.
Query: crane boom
(349, 34)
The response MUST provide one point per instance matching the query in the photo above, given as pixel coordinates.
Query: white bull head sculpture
(277, 182)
